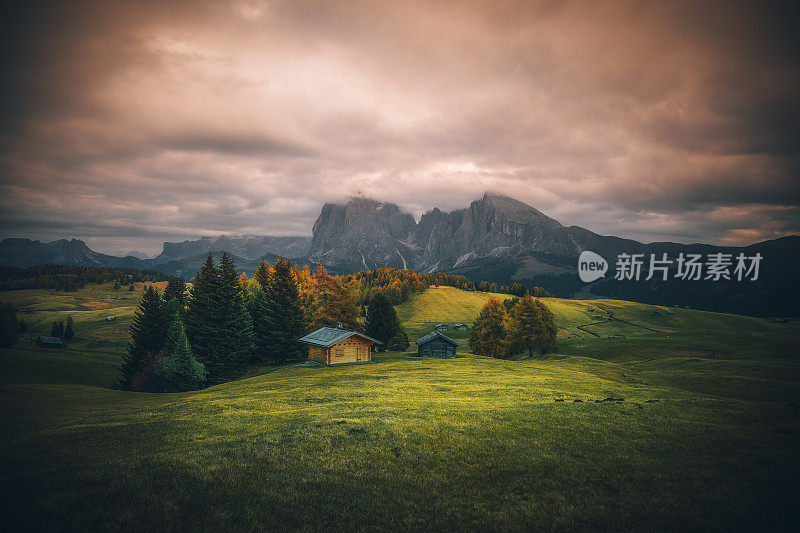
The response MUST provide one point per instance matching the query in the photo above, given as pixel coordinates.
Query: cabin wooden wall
(350, 350)
(437, 348)
(318, 353)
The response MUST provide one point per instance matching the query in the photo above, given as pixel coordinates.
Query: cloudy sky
(130, 123)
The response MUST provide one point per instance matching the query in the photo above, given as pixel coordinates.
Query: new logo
(591, 266)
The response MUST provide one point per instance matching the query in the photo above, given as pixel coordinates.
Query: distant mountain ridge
(495, 238)
(250, 247)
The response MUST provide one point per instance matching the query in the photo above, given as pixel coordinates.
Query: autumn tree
(489, 335)
(333, 303)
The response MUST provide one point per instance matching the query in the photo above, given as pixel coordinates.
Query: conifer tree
(69, 334)
(262, 331)
(176, 288)
(399, 343)
(489, 335)
(148, 333)
(54, 329)
(235, 327)
(202, 317)
(262, 275)
(177, 369)
(172, 307)
(382, 322)
(283, 315)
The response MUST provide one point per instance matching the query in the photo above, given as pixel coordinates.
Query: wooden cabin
(50, 342)
(441, 327)
(461, 326)
(436, 344)
(337, 345)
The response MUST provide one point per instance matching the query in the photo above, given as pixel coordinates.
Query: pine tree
(399, 343)
(176, 288)
(177, 369)
(54, 329)
(202, 318)
(262, 330)
(148, 333)
(382, 322)
(68, 333)
(234, 323)
(172, 307)
(283, 317)
(489, 335)
(262, 275)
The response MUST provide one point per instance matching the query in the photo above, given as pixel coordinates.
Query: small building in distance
(436, 344)
(111, 318)
(335, 345)
(441, 327)
(461, 326)
(50, 342)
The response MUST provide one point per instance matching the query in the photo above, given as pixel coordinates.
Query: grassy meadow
(695, 425)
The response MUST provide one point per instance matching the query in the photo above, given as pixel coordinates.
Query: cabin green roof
(328, 336)
(433, 335)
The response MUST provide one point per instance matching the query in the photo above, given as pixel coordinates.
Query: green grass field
(705, 437)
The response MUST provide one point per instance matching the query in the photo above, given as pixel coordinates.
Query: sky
(126, 124)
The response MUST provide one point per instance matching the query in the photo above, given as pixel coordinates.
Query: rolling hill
(630, 430)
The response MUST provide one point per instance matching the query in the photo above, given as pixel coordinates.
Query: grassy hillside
(690, 440)
(626, 330)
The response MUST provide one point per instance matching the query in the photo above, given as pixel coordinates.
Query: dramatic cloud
(128, 123)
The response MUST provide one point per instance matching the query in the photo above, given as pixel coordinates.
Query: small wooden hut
(436, 344)
(50, 342)
(336, 345)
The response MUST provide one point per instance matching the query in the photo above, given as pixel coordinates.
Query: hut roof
(328, 336)
(50, 340)
(433, 335)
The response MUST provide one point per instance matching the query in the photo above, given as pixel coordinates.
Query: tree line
(211, 333)
(70, 278)
(504, 329)
(397, 284)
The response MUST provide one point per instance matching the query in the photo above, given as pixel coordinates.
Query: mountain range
(495, 238)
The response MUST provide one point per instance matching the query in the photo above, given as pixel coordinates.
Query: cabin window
(338, 351)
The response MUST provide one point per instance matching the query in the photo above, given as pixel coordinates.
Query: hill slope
(689, 443)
